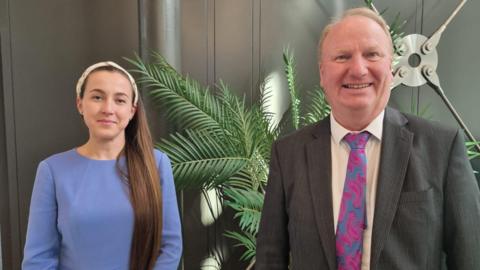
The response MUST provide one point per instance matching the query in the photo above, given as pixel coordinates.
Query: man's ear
(320, 70)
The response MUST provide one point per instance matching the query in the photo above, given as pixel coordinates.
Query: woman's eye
(96, 97)
(121, 101)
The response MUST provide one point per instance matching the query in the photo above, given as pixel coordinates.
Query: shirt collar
(375, 128)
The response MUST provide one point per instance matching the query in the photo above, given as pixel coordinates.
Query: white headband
(93, 67)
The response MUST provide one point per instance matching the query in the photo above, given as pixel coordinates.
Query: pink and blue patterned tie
(352, 216)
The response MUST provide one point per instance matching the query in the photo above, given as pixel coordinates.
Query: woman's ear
(133, 111)
(79, 105)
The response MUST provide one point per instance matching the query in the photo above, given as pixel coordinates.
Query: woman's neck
(101, 150)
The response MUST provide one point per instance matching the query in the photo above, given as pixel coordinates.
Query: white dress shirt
(340, 152)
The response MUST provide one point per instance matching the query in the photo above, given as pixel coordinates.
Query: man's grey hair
(362, 11)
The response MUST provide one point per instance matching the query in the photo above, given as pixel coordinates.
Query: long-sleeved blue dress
(81, 216)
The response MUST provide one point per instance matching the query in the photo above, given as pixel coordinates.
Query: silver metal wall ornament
(417, 62)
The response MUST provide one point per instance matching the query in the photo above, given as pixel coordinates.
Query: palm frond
(266, 94)
(253, 175)
(396, 31)
(318, 108)
(184, 100)
(246, 241)
(248, 127)
(368, 3)
(290, 73)
(472, 150)
(248, 206)
(201, 160)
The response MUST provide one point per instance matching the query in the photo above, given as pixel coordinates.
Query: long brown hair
(144, 183)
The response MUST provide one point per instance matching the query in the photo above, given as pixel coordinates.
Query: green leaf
(184, 101)
(201, 160)
(318, 108)
(290, 72)
(472, 149)
(248, 206)
(245, 240)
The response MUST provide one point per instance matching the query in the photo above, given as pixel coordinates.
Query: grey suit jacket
(427, 204)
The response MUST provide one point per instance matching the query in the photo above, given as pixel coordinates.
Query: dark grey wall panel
(196, 29)
(458, 64)
(11, 242)
(196, 45)
(233, 44)
(3, 167)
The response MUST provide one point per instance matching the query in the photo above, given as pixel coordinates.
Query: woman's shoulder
(63, 158)
(159, 155)
(68, 154)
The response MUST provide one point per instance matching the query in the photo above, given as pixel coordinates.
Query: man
(404, 199)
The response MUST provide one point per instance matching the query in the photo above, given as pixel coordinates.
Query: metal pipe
(447, 102)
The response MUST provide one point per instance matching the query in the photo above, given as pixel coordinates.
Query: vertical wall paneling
(256, 74)
(142, 29)
(233, 45)
(210, 41)
(11, 236)
(194, 62)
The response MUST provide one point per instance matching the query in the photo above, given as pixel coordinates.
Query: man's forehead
(355, 23)
(360, 28)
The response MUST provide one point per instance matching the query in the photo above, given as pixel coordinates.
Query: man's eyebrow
(373, 47)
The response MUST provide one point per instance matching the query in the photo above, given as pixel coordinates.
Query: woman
(110, 203)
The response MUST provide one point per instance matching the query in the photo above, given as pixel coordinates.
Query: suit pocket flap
(416, 196)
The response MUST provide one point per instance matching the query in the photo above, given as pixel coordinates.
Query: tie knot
(357, 141)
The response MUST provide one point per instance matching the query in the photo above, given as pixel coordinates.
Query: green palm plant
(222, 143)
(471, 150)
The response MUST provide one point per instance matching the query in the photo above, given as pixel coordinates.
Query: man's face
(355, 67)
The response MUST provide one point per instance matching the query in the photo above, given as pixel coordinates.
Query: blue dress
(81, 216)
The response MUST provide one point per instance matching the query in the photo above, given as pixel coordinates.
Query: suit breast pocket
(414, 231)
(416, 196)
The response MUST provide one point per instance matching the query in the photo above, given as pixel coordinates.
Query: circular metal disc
(412, 44)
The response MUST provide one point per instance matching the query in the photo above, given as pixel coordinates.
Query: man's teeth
(357, 86)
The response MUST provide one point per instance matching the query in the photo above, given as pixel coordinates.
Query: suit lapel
(319, 176)
(395, 153)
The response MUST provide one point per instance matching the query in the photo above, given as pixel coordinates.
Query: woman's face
(107, 105)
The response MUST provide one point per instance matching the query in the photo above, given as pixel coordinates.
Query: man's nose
(358, 67)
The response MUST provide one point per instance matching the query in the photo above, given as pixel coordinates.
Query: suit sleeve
(462, 211)
(272, 241)
(43, 239)
(171, 247)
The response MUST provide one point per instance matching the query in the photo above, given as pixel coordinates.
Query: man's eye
(121, 101)
(373, 55)
(96, 97)
(341, 58)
